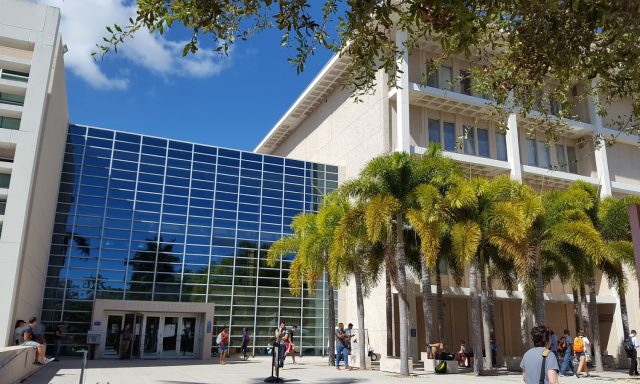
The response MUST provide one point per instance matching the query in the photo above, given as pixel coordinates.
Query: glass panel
(4, 180)
(561, 158)
(449, 136)
(151, 337)
(483, 142)
(543, 151)
(532, 153)
(501, 146)
(170, 337)
(469, 141)
(434, 131)
(445, 75)
(112, 342)
(432, 79)
(572, 159)
(10, 98)
(9, 122)
(187, 336)
(465, 82)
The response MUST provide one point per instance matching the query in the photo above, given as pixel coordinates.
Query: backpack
(578, 345)
(628, 345)
(219, 338)
(441, 367)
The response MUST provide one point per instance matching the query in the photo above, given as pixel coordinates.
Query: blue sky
(149, 88)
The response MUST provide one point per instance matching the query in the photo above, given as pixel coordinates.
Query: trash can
(93, 339)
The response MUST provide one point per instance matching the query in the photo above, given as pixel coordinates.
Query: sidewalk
(309, 370)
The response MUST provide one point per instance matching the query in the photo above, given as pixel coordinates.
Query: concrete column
(402, 95)
(602, 164)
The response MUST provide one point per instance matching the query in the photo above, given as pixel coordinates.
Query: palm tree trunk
(427, 301)
(525, 316)
(577, 312)
(389, 304)
(595, 325)
(403, 305)
(486, 321)
(491, 308)
(331, 323)
(624, 314)
(539, 313)
(476, 321)
(361, 337)
(439, 303)
(584, 310)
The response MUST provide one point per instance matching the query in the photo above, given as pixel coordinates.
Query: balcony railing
(7, 74)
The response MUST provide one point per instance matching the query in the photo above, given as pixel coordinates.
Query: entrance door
(187, 336)
(151, 336)
(170, 336)
(112, 341)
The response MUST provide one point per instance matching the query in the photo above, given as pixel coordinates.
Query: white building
(325, 125)
(33, 111)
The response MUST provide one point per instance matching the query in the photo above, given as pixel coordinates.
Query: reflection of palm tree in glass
(157, 254)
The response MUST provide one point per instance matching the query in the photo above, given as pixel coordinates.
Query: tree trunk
(403, 305)
(427, 302)
(525, 316)
(584, 310)
(577, 311)
(624, 314)
(439, 303)
(362, 341)
(476, 321)
(389, 304)
(491, 310)
(332, 324)
(486, 321)
(539, 313)
(595, 325)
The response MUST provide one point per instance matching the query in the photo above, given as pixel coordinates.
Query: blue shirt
(554, 344)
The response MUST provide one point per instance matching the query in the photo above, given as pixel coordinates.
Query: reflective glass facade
(144, 218)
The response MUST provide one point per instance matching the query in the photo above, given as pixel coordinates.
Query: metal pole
(84, 366)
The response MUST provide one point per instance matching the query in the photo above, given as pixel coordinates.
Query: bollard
(84, 366)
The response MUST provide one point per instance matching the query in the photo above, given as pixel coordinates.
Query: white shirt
(586, 341)
(634, 341)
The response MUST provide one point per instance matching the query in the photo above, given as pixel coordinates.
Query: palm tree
(311, 242)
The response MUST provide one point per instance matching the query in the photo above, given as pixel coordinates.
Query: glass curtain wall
(144, 218)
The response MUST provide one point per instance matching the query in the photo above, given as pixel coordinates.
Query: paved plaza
(309, 370)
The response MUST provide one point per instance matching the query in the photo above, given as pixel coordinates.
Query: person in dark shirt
(30, 341)
(57, 341)
(290, 346)
(282, 337)
(125, 340)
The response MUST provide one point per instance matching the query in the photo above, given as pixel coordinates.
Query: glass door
(112, 341)
(170, 336)
(137, 336)
(150, 336)
(187, 336)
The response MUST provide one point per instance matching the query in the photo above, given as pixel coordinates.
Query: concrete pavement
(309, 370)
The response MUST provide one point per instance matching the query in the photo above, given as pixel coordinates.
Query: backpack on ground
(578, 345)
(628, 346)
(219, 338)
(441, 367)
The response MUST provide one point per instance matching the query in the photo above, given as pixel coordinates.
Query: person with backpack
(566, 343)
(540, 365)
(223, 344)
(631, 346)
(581, 350)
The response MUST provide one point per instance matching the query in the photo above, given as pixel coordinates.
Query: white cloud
(83, 25)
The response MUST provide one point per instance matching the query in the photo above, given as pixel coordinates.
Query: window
(465, 82)
(561, 158)
(3, 205)
(441, 78)
(543, 155)
(469, 140)
(572, 160)
(434, 131)
(4, 180)
(483, 142)
(501, 146)
(9, 122)
(10, 98)
(532, 153)
(8, 74)
(449, 136)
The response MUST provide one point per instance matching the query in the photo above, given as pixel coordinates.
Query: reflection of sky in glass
(142, 218)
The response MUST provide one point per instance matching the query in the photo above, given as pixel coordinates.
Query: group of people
(284, 342)
(344, 338)
(32, 334)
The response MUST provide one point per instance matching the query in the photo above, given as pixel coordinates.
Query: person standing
(223, 344)
(581, 349)
(57, 341)
(245, 343)
(553, 346)
(125, 341)
(494, 353)
(342, 347)
(290, 346)
(568, 354)
(282, 337)
(539, 362)
(633, 354)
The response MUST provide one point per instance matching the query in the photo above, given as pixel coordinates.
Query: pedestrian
(494, 353)
(342, 347)
(30, 341)
(539, 363)
(290, 346)
(581, 350)
(633, 354)
(463, 359)
(553, 346)
(125, 341)
(19, 332)
(282, 336)
(223, 344)
(350, 335)
(245, 343)
(57, 341)
(568, 354)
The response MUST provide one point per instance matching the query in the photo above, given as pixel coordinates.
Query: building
(33, 126)
(171, 238)
(325, 125)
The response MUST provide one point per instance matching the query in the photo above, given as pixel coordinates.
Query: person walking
(282, 336)
(57, 341)
(568, 354)
(539, 363)
(633, 353)
(223, 344)
(553, 345)
(581, 350)
(125, 341)
(342, 347)
(290, 346)
(245, 343)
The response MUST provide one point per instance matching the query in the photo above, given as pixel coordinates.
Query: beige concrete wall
(624, 163)
(16, 364)
(616, 110)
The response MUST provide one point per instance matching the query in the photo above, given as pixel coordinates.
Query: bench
(392, 364)
(430, 364)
